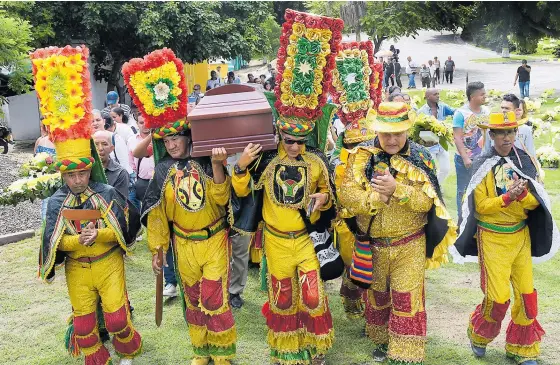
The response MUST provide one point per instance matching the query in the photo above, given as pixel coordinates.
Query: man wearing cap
(87, 224)
(507, 220)
(403, 228)
(113, 102)
(186, 202)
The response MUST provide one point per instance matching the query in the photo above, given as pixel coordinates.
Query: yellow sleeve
(105, 235)
(158, 229)
(241, 184)
(323, 187)
(69, 242)
(529, 202)
(355, 197)
(414, 196)
(484, 204)
(220, 192)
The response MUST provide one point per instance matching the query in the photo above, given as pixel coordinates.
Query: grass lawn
(545, 49)
(33, 315)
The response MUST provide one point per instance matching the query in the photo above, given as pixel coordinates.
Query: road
(544, 75)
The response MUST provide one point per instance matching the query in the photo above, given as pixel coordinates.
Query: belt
(200, 234)
(387, 242)
(91, 260)
(501, 228)
(287, 235)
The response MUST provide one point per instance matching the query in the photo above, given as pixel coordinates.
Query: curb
(15, 237)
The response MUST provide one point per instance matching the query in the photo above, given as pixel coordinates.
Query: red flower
(311, 22)
(289, 15)
(337, 25)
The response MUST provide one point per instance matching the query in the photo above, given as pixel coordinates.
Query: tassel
(264, 277)
(70, 341)
(361, 269)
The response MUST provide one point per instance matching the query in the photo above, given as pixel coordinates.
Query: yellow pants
(203, 267)
(299, 322)
(395, 314)
(87, 284)
(505, 261)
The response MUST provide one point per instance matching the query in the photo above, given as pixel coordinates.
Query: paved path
(428, 44)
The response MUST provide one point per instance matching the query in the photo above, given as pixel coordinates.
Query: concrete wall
(23, 116)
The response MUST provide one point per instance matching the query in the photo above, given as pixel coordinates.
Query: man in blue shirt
(440, 111)
(469, 138)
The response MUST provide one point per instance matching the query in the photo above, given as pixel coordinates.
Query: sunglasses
(290, 142)
(506, 132)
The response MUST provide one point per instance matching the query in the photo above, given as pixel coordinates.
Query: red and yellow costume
(184, 204)
(508, 232)
(298, 317)
(300, 323)
(95, 273)
(404, 236)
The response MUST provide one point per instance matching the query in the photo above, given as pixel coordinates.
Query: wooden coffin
(231, 116)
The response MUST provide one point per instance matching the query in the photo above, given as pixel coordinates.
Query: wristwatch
(238, 170)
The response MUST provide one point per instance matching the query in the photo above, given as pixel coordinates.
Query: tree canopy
(15, 40)
(496, 24)
(118, 31)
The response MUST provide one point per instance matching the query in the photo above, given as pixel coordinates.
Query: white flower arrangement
(548, 156)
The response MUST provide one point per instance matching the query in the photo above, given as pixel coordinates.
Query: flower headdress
(306, 57)
(62, 83)
(159, 90)
(356, 88)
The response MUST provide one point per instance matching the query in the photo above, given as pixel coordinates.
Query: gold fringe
(528, 351)
(222, 339)
(379, 335)
(440, 255)
(406, 348)
(294, 341)
(198, 335)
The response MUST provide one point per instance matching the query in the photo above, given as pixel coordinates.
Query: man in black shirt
(524, 76)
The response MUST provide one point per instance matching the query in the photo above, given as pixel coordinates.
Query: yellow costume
(300, 323)
(192, 211)
(509, 232)
(94, 271)
(397, 240)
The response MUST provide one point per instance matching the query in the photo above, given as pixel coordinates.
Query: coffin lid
(237, 100)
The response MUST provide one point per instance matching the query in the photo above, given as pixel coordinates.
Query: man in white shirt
(411, 72)
(214, 81)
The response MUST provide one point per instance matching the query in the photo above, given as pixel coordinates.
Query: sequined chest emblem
(189, 188)
(289, 184)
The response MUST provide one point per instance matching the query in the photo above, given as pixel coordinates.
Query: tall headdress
(356, 88)
(306, 58)
(62, 83)
(158, 88)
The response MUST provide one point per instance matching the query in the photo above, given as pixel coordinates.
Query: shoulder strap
(114, 145)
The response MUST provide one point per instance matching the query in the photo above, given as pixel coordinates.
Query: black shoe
(235, 301)
(104, 335)
(379, 355)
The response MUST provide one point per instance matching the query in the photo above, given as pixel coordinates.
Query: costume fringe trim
(299, 340)
(440, 255)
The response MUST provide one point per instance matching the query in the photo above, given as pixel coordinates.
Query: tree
(118, 31)
(270, 33)
(15, 39)
(523, 23)
(388, 19)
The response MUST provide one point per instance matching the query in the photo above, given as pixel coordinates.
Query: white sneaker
(170, 290)
(126, 362)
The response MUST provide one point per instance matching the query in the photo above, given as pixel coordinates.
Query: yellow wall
(199, 73)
